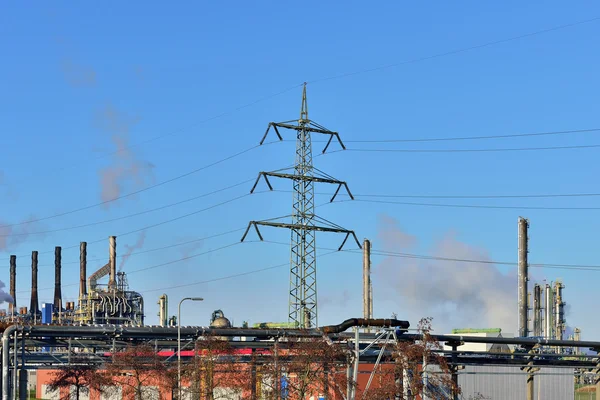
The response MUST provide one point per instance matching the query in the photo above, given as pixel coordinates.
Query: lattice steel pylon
(304, 225)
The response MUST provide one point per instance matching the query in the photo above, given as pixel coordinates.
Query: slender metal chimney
(57, 286)
(537, 308)
(34, 307)
(559, 321)
(523, 277)
(112, 261)
(367, 279)
(82, 270)
(13, 283)
(549, 307)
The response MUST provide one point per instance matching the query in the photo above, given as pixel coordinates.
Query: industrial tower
(304, 224)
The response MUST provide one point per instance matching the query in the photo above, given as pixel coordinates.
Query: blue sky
(75, 76)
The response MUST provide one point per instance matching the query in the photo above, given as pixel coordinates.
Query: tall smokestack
(13, 283)
(33, 307)
(57, 286)
(112, 260)
(82, 269)
(367, 279)
(537, 308)
(523, 277)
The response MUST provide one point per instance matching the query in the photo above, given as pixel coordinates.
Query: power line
(457, 138)
(157, 265)
(255, 271)
(457, 51)
(482, 196)
(170, 246)
(130, 215)
(154, 225)
(405, 203)
(358, 199)
(585, 146)
(222, 160)
(467, 260)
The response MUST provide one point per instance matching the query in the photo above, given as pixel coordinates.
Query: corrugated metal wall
(510, 383)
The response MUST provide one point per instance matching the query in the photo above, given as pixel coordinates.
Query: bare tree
(139, 366)
(305, 367)
(81, 376)
(414, 369)
(215, 373)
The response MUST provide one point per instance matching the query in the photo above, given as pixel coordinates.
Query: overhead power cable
(460, 138)
(130, 215)
(483, 206)
(192, 172)
(158, 265)
(437, 258)
(490, 150)
(153, 225)
(450, 196)
(170, 246)
(255, 271)
(456, 51)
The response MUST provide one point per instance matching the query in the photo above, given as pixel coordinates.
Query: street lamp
(179, 340)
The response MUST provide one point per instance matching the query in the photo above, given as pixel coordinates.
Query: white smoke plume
(126, 170)
(130, 249)
(5, 297)
(12, 235)
(456, 294)
(78, 75)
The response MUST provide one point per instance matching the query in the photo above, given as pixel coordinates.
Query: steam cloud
(13, 235)
(126, 168)
(456, 294)
(130, 249)
(5, 297)
(78, 75)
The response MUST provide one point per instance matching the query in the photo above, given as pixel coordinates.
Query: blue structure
(47, 310)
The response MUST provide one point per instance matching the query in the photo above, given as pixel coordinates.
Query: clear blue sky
(75, 75)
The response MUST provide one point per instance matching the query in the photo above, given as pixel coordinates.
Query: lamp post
(179, 341)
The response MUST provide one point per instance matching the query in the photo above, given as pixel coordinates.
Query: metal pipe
(6, 361)
(523, 277)
(367, 279)
(112, 261)
(351, 322)
(34, 305)
(501, 340)
(82, 271)
(13, 283)
(57, 285)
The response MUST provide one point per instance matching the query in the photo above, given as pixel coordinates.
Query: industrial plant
(372, 362)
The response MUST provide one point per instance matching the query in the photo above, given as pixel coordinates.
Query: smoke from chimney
(57, 285)
(455, 293)
(33, 307)
(130, 249)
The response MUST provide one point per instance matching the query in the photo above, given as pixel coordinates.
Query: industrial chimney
(82, 270)
(13, 283)
(523, 277)
(112, 261)
(57, 286)
(367, 300)
(33, 307)
(163, 310)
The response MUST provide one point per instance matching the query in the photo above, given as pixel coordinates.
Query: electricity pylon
(304, 225)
